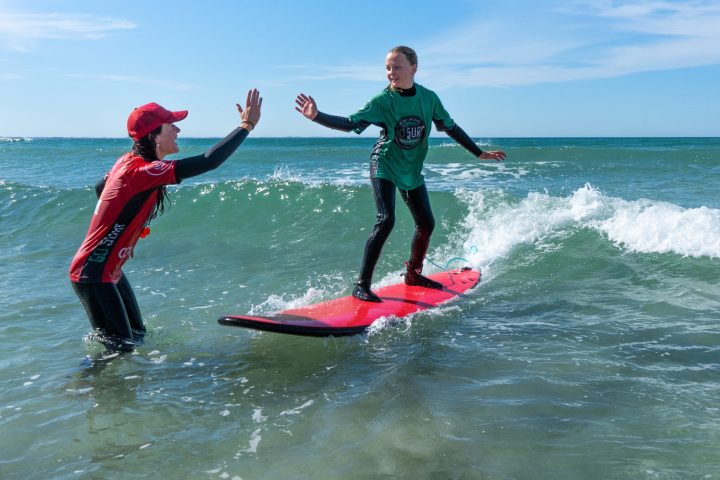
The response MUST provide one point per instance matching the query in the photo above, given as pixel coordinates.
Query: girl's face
(166, 140)
(399, 71)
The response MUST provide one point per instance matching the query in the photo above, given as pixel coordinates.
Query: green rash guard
(400, 151)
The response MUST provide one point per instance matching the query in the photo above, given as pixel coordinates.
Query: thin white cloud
(558, 42)
(20, 31)
(136, 80)
(324, 72)
(581, 40)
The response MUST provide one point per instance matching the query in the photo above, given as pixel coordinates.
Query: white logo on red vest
(158, 168)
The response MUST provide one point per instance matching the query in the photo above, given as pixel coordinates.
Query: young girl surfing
(403, 111)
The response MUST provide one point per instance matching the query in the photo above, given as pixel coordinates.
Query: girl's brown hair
(408, 52)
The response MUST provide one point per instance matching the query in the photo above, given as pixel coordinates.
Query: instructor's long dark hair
(145, 148)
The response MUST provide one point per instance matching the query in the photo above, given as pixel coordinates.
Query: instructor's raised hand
(307, 106)
(250, 116)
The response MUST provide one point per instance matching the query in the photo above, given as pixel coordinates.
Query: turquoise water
(590, 350)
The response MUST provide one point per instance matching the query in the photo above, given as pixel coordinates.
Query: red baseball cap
(148, 117)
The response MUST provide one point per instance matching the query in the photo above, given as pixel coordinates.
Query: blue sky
(502, 68)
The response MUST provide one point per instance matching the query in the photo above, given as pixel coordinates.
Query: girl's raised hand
(307, 106)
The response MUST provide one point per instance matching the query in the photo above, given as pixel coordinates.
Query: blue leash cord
(473, 249)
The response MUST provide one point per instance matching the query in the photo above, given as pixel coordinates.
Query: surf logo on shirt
(158, 167)
(409, 132)
(100, 253)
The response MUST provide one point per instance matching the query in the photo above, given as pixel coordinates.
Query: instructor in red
(129, 197)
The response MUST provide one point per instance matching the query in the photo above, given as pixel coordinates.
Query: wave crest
(496, 225)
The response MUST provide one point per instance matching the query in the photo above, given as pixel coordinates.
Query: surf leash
(473, 249)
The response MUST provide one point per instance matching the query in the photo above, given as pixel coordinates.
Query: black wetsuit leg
(131, 308)
(112, 309)
(384, 193)
(418, 202)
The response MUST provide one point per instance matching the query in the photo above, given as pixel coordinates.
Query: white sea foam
(451, 144)
(473, 175)
(643, 226)
(275, 302)
(496, 230)
(258, 416)
(298, 410)
(284, 173)
(255, 439)
(382, 323)
(648, 227)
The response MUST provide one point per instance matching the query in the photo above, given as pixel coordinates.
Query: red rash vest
(125, 205)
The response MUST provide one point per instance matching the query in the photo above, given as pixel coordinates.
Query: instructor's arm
(221, 151)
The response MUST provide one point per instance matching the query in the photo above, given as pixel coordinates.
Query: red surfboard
(348, 315)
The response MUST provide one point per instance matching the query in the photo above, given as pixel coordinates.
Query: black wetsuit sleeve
(213, 158)
(339, 123)
(459, 135)
(99, 187)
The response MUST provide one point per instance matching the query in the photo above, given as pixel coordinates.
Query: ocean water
(589, 350)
